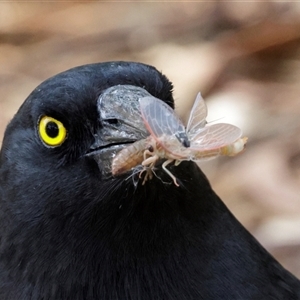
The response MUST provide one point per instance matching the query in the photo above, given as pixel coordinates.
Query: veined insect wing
(215, 136)
(159, 118)
(197, 119)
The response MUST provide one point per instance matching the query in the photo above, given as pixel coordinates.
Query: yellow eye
(52, 132)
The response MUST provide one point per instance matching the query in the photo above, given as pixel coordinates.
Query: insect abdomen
(128, 158)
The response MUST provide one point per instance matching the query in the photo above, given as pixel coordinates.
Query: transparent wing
(160, 118)
(197, 119)
(215, 136)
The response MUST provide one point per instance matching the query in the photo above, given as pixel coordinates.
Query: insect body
(129, 157)
(170, 140)
(159, 152)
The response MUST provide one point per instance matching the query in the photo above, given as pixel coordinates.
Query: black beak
(120, 122)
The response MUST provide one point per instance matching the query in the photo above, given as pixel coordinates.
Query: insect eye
(52, 132)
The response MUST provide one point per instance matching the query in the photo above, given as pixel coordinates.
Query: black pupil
(52, 129)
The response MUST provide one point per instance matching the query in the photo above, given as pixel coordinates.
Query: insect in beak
(172, 141)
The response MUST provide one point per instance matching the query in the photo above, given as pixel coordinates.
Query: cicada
(169, 139)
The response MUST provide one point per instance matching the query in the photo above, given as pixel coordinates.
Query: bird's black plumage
(69, 232)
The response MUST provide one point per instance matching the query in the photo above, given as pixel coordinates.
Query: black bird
(69, 230)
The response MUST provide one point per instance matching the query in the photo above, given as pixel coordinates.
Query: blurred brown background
(244, 57)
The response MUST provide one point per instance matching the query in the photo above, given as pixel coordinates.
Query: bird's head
(59, 203)
(57, 150)
(59, 145)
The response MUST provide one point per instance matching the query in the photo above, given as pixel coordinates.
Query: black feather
(68, 233)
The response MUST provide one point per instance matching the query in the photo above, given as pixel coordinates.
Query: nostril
(112, 121)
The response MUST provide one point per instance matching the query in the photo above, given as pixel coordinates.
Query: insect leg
(148, 164)
(149, 161)
(177, 162)
(164, 165)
